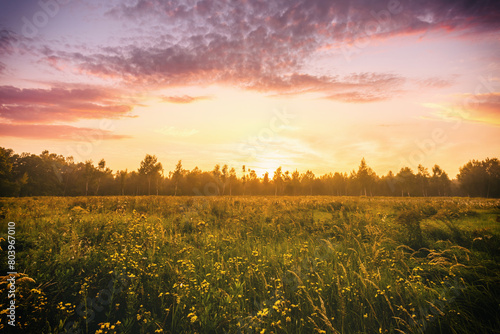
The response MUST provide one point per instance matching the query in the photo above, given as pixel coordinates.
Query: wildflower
(192, 317)
(263, 313)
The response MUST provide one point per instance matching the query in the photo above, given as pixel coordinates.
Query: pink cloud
(62, 104)
(485, 108)
(478, 108)
(184, 99)
(59, 132)
(435, 82)
(357, 97)
(262, 45)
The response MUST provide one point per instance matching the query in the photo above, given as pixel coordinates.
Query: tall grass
(255, 265)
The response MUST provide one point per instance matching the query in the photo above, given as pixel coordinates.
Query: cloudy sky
(303, 84)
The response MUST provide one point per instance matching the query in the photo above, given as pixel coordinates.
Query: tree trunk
(98, 185)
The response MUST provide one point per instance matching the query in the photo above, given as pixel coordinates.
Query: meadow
(253, 264)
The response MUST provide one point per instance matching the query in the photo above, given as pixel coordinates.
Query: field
(253, 265)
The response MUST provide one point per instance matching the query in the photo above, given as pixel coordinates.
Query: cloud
(174, 132)
(261, 45)
(354, 88)
(62, 104)
(184, 99)
(357, 97)
(483, 107)
(177, 66)
(300, 17)
(435, 82)
(59, 132)
(6, 40)
(478, 108)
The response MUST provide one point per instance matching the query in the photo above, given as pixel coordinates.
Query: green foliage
(255, 264)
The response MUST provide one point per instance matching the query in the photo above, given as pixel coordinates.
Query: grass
(254, 264)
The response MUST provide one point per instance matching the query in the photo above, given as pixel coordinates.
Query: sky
(303, 84)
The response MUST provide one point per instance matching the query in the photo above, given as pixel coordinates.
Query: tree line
(49, 174)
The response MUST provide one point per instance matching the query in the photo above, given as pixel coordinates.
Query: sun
(269, 165)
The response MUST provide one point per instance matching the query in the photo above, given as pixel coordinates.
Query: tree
(54, 175)
(193, 180)
(150, 169)
(244, 178)
(406, 181)
(224, 177)
(388, 184)
(295, 182)
(339, 183)
(440, 184)
(365, 177)
(89, 175)
(101, 172)
(7, 183)
(278, 180)
(423, 179)
(480, 178)
(307, 181)
(232, 179)
(122, 177)
(265, 183)
(287, 183)
(177, 176)
(216, 174)
(253, 182)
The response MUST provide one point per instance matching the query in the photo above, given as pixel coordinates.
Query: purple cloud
(264, 45)
(62, 104)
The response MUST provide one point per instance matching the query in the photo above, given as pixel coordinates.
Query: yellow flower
(263, 313)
